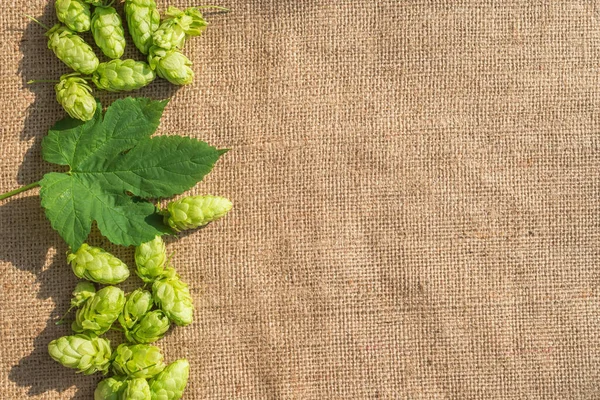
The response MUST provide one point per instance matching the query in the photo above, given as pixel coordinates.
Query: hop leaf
(138, 361)
(100, 311)
(87, 354)
(137, 389)
(97, 265)
(151, 328)
(138, 303)
(83, 291)
(75, 14)
(108, 32)
(173, 297)
(110, 388)
(123, 75)
(171, 65)
(150, 259)
(75, 95)
(170, 384)
(72, 50)
(143, 19)
(109, 157)
(195, 211)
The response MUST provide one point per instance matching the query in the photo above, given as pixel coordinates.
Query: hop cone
(83, 291)
(95, 2)
(171, 65)
(191, 20)
(72, 50)
(169, 35)
(107, 29)
(195, 211)
(138, 360)
(97, 265)
(150, 259)
(138, 303)
(137, 389)
(170, 384)
(151, 328)
(88, 354)
(75, 14)
(143, 19)
(75, 95)
(110, 388)
(173, 297)
(123, 75)
(100, 311)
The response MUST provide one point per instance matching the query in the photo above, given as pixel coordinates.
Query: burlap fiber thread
(416, 189)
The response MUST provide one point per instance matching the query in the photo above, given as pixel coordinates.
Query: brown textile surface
(416, 189)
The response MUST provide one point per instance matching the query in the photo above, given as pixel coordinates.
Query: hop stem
(19, 190)
(38, 22)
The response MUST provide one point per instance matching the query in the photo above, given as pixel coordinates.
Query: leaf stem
(38, 22)
(19, 190)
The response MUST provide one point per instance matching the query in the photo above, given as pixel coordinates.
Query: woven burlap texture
(416, 189)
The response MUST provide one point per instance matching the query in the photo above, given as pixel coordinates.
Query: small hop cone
(123, 75)
(87, 354)
(143, 20)
(110, 388)
(107, 29)
(173, 297)
(169, 35)
(99, 312)
(72, 50)
(75, 95)
(170, 384)
(195, 211)
(75, 14)
(191, 20)
(150, 259)
(138, 361)
(137, 389)
(138, 303)
(83, 291)
(97, 265)
(171, 65)
(151, 328)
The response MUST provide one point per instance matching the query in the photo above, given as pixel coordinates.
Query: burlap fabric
(416, 189)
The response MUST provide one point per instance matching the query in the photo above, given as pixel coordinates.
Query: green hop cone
(191, 20)
(108, 32)
(87, 354)
(97, 265)
(171, 65)
(151, 328)
(150, 259)
(100, 311)
(169, 35)
(173, 297)
(170, 384)
(137, 360)
(138, 303)
(96, 3)
(72, 50)
(75, 14)
(110, 388)
(137, 389)
(143, 20)
(75, 95)
(123, 75)
(83, 291)
(195, 211)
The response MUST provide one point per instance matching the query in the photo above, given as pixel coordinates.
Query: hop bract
(72, 50)
(123, 75)
(151, 328)
(108, 32)
(137, 389)
(195, 211)
(138, 360)
(83, 291)
(75, 14)
(171, 65)
(97, 265)
(75, 95)
(100, 311)
(170, 384)
(143, 19)
(138, 303)
(173, 297)
(110, 388)
(150, 259)
(86, 353)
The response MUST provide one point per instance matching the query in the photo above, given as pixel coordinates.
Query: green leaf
(111, 158)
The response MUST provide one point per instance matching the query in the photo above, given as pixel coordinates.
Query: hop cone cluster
(72, 50)
(97, 265)
(86, 353)
(150, 259)
(170, 384)
(108, 32)
(100, 311)
(75, 95)
(195, 211)
(138, 361)
(75, 14)
(123, 75)
(143, 19)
